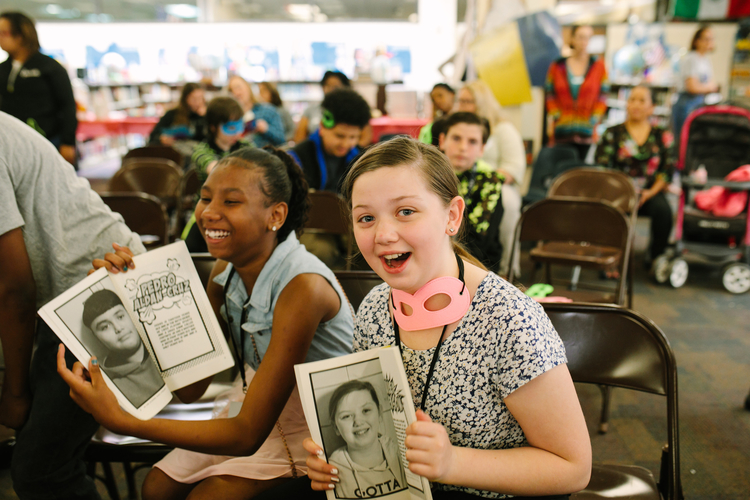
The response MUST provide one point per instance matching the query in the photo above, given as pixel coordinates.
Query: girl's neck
(370, 457)
(250, 269)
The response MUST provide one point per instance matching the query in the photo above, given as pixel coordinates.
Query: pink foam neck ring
(422, 318)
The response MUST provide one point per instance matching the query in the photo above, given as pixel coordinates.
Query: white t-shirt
(696, 66)
(505, 150)
(65, 223)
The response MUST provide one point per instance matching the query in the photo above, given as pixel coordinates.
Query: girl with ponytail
(279, 302)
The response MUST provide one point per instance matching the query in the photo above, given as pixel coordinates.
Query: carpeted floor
(709, 330)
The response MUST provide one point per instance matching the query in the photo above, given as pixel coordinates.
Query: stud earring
(452, 230)
(273, 228)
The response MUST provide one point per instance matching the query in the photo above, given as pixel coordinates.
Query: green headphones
(327, 119)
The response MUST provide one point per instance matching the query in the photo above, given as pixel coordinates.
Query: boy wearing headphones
(325, 155)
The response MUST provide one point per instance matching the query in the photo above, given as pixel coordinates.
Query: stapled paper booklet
(358, 408)
(152, 328)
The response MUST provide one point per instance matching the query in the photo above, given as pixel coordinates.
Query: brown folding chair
(598, 183)
(618, 347)
(189, 187)
(577, 232)
(106, 447)
(357, 284)
(155, 176)
(143, 213)
(165, 152)
(327, 217)
(204, 264)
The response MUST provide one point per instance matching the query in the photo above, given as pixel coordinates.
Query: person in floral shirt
(644, 152)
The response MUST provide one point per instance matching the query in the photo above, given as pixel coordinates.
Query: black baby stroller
(715, 141)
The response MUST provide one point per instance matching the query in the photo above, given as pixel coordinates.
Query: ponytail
(299, 199)
(281, 181)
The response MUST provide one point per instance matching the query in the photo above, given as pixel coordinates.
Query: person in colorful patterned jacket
(644, 152)
(576, 94)
(478, 183)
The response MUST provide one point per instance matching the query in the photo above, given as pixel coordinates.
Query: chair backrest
(165, 152)
(619, 347)
(326, 215)
(143, 213)
(204, 264)
(357, 284)
(574, 219)
(190, 185)
(597, 183)
(155, 176)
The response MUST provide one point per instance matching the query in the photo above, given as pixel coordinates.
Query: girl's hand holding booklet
(358, 408)
(152, 328)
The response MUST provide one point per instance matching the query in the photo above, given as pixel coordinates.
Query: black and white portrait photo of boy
(126, 361)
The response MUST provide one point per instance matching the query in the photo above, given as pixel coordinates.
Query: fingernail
(335, 479)
(125, 268)
(331, 486)
(94, 361)
(320, 454)
(335, 472)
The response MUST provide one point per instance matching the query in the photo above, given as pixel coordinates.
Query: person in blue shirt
(262, 120)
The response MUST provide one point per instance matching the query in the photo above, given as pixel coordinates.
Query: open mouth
(216, 234)
(395, 260)
(361, 432)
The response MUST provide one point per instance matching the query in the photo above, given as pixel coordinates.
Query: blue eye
(406, 211)
(366, 218)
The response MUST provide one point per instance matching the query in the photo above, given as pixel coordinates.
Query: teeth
(392, 256)
(216, 234)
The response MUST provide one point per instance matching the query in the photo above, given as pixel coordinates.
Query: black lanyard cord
(239, 355)
(440, 341)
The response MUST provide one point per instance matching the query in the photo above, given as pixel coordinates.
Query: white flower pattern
(503, 341)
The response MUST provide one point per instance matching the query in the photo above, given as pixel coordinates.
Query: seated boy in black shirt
(325, 155)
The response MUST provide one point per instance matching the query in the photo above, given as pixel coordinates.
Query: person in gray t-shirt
(52, 226)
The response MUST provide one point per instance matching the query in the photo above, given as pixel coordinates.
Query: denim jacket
(289, 259)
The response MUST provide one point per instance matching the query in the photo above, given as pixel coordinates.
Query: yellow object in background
(500, 63)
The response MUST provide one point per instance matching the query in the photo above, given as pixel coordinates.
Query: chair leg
(130, 479)
(631, 271)
(574, 278)
(109, 481)
(604, 418)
